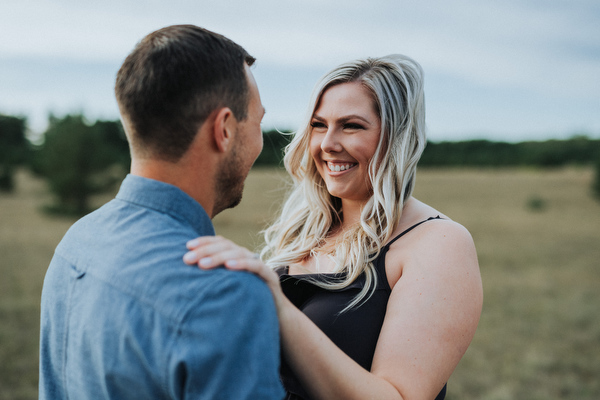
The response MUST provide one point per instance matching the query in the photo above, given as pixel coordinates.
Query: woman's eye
(353, 126)
(316, 124)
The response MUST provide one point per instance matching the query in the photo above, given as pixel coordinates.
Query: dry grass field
(538, 238)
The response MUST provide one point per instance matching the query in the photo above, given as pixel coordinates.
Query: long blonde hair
(309, 213)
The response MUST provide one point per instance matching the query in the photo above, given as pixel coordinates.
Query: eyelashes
(353, 126)
(346, 126)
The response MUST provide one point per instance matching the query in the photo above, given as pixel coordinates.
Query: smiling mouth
(338, 167)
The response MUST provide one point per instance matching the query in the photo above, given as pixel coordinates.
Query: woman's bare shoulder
(437, 244)
(414, 212)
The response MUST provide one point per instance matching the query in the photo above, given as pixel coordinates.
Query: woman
(378, 294)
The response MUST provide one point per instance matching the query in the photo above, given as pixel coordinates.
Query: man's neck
(194, 181)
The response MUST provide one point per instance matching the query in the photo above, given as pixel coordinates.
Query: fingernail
(190, 257)
(205, 261)
(231, 263)
(192, 243)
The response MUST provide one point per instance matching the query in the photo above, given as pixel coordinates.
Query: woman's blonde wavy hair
(310, 212)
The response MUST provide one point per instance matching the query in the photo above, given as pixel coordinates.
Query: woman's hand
(214, 251)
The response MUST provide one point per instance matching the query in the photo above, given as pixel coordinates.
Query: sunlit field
(538, 238)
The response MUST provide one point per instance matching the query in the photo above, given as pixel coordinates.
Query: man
(122, 316)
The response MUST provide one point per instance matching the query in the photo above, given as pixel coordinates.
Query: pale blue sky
(496, 69)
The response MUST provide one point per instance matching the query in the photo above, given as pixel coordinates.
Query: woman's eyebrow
(353, 116)
(345, 118)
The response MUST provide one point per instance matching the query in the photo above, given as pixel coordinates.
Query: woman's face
(344, 136)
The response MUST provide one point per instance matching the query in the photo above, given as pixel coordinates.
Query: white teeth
(339, 167)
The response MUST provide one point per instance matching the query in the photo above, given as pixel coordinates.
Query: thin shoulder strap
(410, 229)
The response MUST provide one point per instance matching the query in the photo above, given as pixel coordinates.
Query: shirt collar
(166, 198)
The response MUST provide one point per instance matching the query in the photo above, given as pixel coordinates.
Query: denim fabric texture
(124, 318)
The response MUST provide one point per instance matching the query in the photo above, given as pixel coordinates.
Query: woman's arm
(433, 310)
(430, 320)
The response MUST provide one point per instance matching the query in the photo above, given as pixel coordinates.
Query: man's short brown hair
(171, 82)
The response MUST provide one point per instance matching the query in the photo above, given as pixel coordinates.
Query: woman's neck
(351, 211)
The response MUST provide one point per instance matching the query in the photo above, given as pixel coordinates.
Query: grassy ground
(538, 239)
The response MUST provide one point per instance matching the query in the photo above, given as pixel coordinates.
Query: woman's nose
(331, 143)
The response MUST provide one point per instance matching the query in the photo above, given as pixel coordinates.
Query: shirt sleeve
(228, 345)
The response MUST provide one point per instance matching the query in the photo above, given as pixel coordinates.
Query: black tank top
(355, 331)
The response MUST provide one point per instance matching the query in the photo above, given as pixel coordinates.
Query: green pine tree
(13, 149)
(74, 159)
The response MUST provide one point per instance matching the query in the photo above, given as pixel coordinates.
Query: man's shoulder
(186, 297)
(234, 292)
(231, 301)
(120, 227)
(136, 251)
(237, 285)
(128, 217)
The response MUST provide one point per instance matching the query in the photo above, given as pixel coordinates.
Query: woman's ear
(224, 128)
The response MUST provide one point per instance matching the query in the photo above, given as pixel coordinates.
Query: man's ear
(224, 128)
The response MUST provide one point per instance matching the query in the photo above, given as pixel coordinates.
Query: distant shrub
(536, 203)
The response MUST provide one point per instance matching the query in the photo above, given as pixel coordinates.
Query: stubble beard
(230, 182)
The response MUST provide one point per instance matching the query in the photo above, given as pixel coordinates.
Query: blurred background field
(537, 233)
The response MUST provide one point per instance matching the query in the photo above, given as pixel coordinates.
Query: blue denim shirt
(124, 318)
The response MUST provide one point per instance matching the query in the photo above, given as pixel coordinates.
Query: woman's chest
(354, 331)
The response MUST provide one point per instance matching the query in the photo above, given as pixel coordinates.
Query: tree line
(79, 158)
(579, 150)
